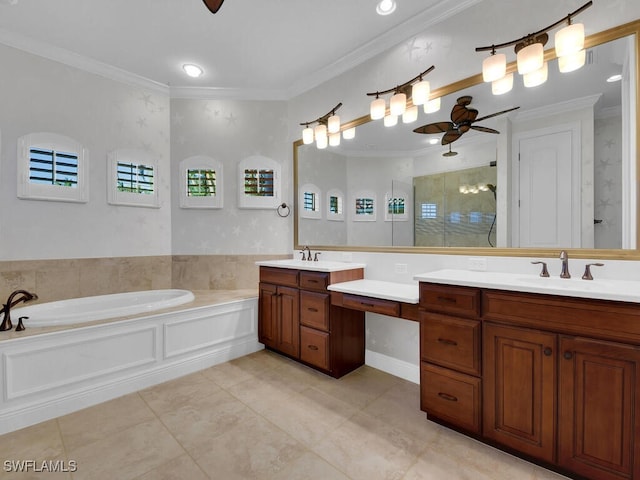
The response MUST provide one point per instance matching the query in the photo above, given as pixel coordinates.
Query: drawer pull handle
(312, 347)
(568, 355)
(446, 341)
(312, 281)
(364, 304)
(311, 309)
(448, 397)
(446, 299)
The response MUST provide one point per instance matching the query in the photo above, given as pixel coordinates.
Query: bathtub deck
(203, 298)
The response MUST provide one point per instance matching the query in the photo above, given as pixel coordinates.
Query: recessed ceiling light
(385, 7)
(192, 70)
(614, 78)
(433, 141)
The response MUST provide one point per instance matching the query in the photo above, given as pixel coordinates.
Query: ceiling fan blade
(464, 128)
(450, 137)
(480, 128)
(213, 5)
(465, 100)
(460, 113)
(433, 128)
(496, 114)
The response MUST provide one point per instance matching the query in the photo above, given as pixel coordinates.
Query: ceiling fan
(213, 5)
(462, 120)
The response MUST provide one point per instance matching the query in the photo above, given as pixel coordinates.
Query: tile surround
(60, 279)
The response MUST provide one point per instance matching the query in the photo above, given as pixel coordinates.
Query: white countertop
(604, 289)
(319, 266)
(400, 292)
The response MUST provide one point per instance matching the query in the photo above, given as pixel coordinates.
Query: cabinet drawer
(314, 280)
(450, 342)
(450, 396)
(279, 276)
(368, 304)
(314, 309)
(464, 301)
(314, 347)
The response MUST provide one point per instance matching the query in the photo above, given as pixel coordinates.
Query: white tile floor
(262, 416)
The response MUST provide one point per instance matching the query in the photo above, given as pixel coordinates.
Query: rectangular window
(201, 183)
(335, 205)
(258, 183)
(455, 217)
(428, 210)
(134, 178)
(395, 206)
(310, 201)
(475, 217)
(364, 206)
(48, 167)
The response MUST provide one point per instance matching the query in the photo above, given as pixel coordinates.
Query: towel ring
(283, 210)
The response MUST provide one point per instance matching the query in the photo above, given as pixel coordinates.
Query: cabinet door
(288, 321)
(268, 315)
(599, 409)
(520, 389)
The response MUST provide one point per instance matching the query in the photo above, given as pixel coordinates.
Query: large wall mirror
(390, 189)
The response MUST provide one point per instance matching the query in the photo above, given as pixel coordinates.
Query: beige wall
(61, 279)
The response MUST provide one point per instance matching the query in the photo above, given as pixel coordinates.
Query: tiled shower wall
(71, 278)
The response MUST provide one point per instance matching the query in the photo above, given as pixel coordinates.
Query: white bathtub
(100, 307)
(50, 373)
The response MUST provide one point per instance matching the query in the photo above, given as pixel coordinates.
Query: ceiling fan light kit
(569, 48)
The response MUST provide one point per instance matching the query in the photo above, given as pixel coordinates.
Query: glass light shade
(503, 85)
(320, 131)
(536, 78)
(432, 105)
(307, 135)
(463, 189)
(398, 104)
(420, 92)
(378, 109)
(333, 124)
(494, 67)
(334, 139)
(530, 58)
(386, 7)
(349, 133)
(572, 62)
(569, 40)
(410, 114)
(322, 142)
(390, 120)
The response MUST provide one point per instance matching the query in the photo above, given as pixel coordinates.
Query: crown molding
(415, 25)
(81, 62)
(557, 108)
(216, 93)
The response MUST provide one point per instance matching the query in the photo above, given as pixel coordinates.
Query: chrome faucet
(308, 253)
(6, 308)
(564, 257)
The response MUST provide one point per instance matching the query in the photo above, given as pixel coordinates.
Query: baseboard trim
(393, 366)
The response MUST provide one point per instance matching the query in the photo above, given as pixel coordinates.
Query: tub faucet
(564, 257)
(6, 308)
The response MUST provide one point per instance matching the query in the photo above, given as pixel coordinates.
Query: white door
(547, 212)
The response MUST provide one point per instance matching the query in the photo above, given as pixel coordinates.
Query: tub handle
(21, 326)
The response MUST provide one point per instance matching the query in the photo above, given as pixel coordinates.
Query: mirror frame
(631, 28)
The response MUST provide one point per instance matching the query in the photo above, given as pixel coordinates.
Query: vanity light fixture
(432, 105)
(325, 130)
(569, 47)
(192, 70)
(417, 90)
(386, 7)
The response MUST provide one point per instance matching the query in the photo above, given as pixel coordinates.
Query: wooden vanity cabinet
(296, 318)
(450, 366)
(559, 377)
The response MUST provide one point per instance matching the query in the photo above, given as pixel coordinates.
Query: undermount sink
(605, 289)
(319, 266)
(566, 283)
